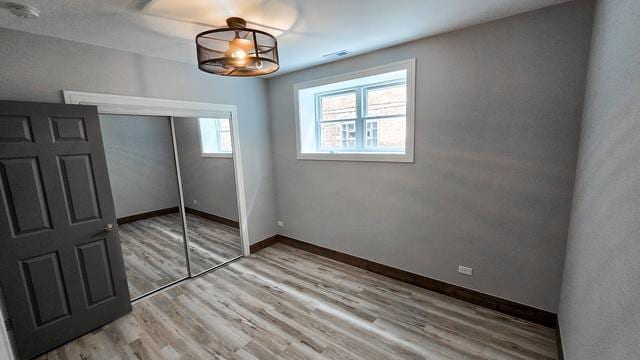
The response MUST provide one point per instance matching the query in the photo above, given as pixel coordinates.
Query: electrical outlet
(280, 223)
(465, 270)
(195, 201)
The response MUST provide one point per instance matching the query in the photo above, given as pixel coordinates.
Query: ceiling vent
(23, 11)
(336, 54)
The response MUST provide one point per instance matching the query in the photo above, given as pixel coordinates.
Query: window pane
(338, 135)
(208, 135)
(390, 133)
(348, 135)
(223, 125)
(372, 133)
(215, 135)
(387, 101)
(225, 141)
(338, 107)
(224, 136)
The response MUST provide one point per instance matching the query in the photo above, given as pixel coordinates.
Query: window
(215, 137)
(364, 116)
(379, 126)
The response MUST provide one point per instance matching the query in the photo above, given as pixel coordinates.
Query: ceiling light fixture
(237, 51)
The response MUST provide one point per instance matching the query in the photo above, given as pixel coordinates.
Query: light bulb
(239, 48)
(239, 54)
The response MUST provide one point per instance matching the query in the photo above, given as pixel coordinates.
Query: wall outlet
(280, 223)
(195, 201)
(465, 270)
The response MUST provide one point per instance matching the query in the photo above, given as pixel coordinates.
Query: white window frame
(328, 154)
(218, 154)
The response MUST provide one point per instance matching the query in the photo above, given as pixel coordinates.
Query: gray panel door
(61, 270)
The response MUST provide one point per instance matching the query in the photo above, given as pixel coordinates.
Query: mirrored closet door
(142, 171)
(174, 189)
(205, 159)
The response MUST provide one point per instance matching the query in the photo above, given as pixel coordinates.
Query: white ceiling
(306, 29)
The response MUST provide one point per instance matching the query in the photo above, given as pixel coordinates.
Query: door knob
(108, 227)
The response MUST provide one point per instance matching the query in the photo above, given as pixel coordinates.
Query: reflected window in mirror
(215, 137)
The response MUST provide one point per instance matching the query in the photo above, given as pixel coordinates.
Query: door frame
(133, 105)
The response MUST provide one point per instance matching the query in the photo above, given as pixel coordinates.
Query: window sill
(217, 155)
(372, 157)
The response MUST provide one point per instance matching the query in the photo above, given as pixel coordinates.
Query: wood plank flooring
(284, 303)
(212, 242)
(153, 249)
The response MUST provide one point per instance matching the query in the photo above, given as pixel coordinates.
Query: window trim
(213, 154)
(407, 157)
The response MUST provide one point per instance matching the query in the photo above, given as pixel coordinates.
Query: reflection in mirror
(142, 172)
(207, 174)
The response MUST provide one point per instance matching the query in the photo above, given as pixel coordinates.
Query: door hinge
(8, 325)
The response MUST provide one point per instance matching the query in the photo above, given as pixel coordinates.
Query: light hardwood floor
(153, 249)
(284, 303)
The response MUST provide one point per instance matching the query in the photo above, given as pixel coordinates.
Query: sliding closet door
(205, 158)
(143, 174)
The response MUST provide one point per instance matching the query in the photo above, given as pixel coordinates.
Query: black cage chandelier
(237, 51)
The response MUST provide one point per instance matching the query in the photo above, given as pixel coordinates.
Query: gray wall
(600, 302)
(497, 125)
(37, 68)
(208, 180)
(140, 159)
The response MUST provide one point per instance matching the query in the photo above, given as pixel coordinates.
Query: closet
(174, 189)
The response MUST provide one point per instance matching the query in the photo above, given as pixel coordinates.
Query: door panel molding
(68, 128)
(44, 284)
(79, 187)
(21, 179)
(95, 269)
(15, 129)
